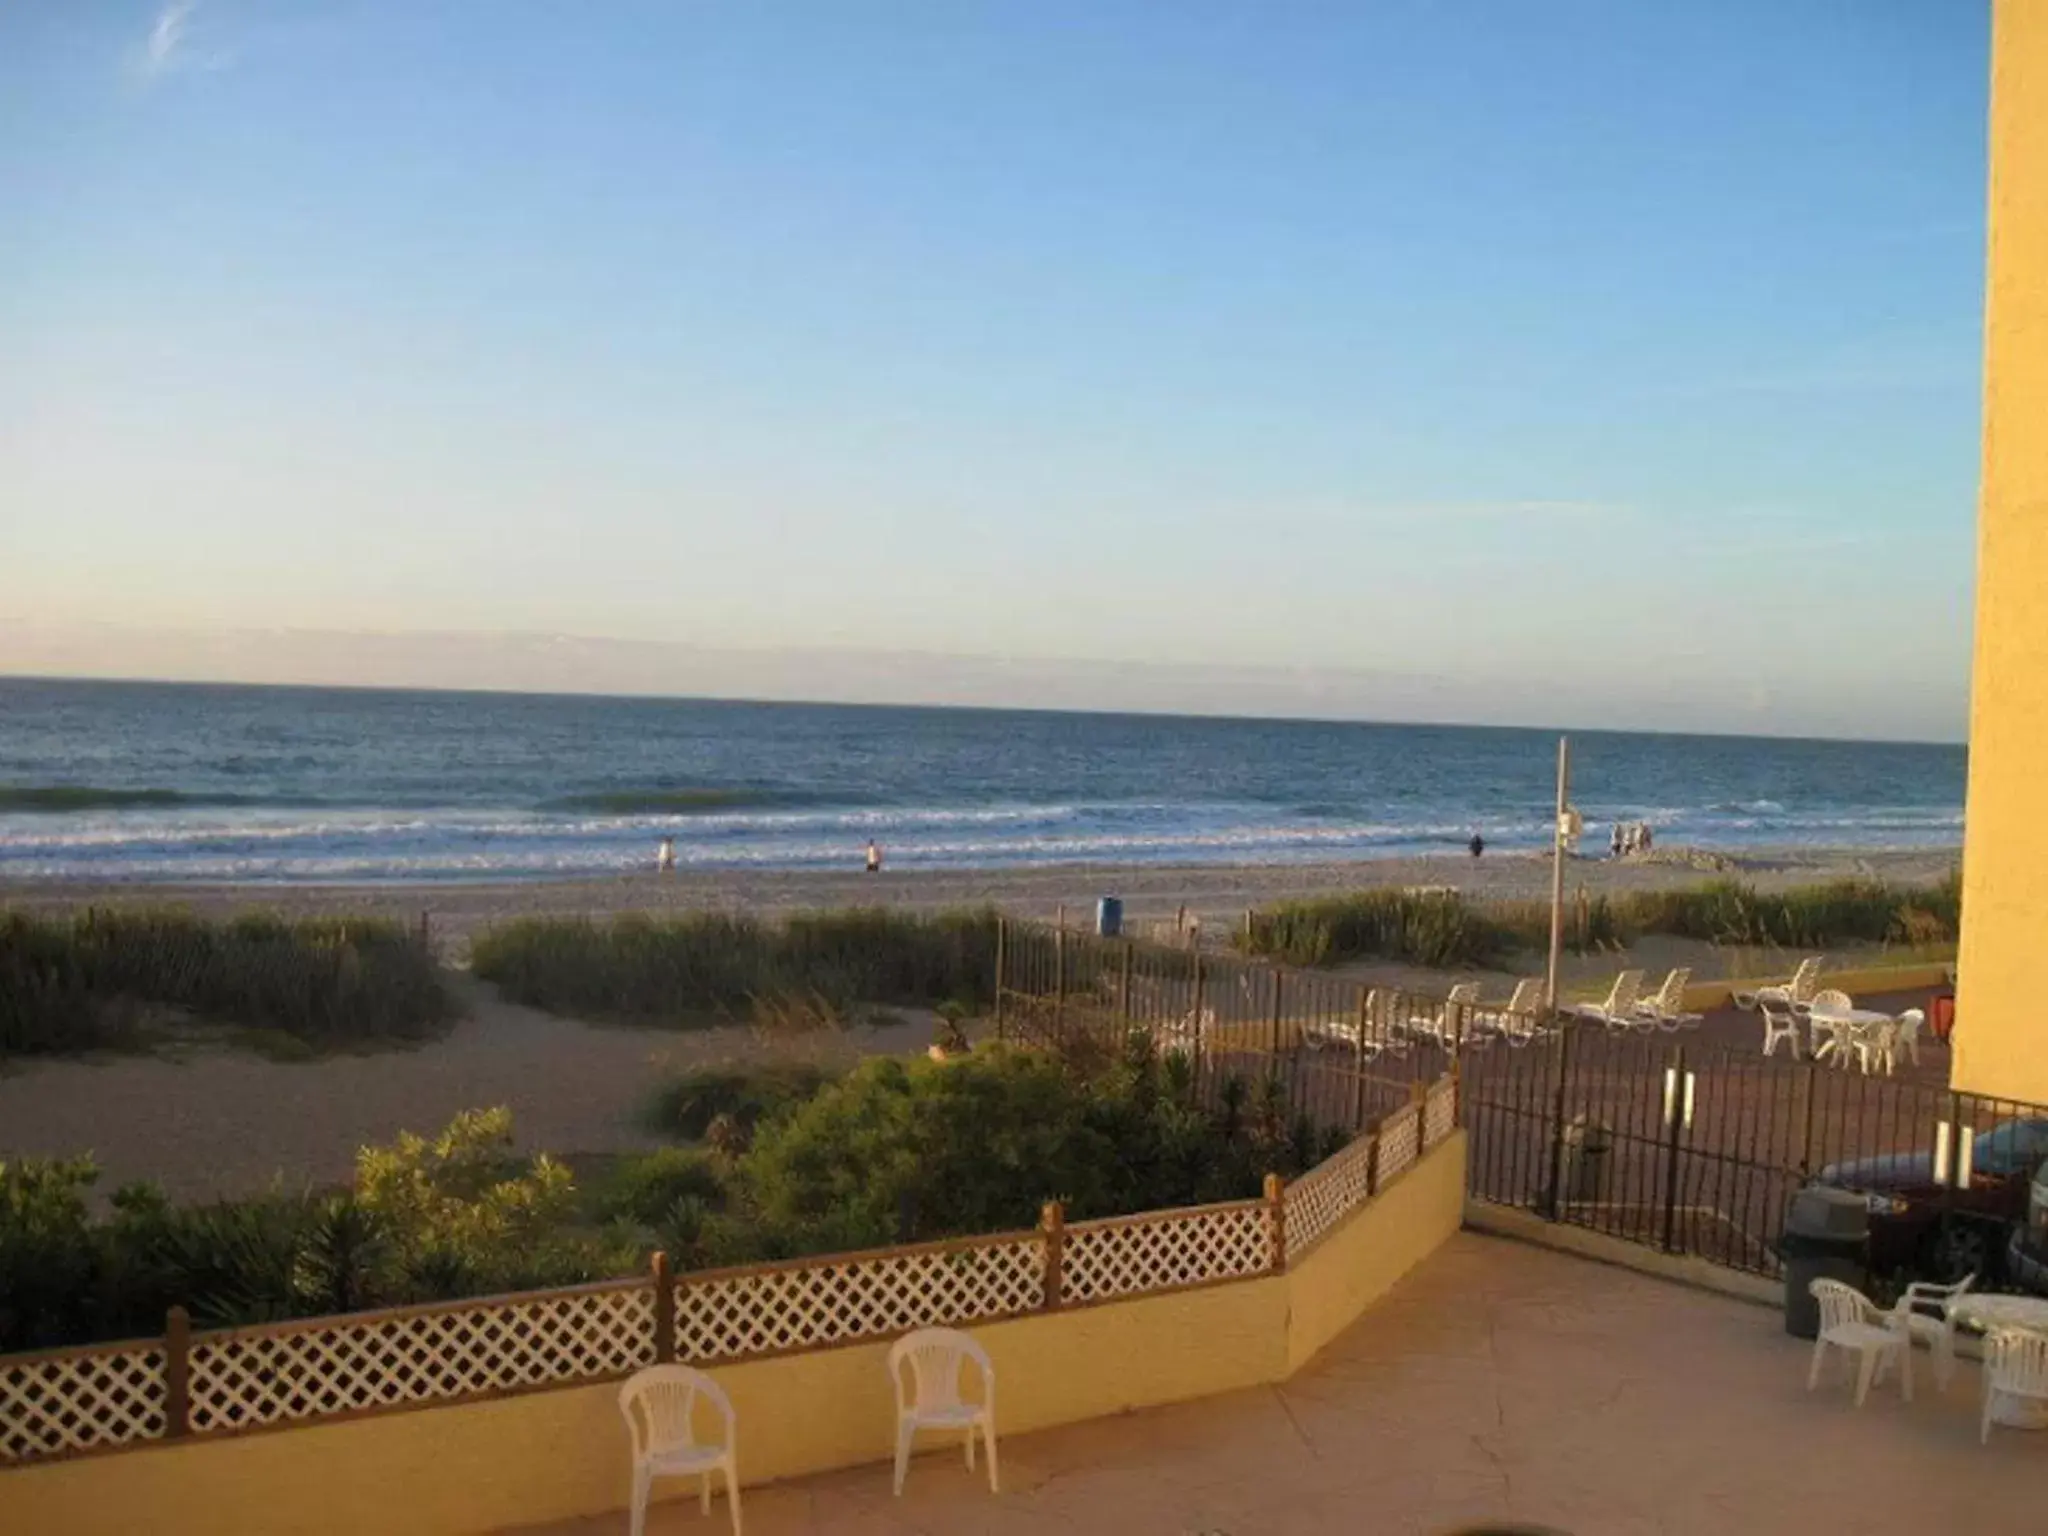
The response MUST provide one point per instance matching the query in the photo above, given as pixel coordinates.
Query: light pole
(1562, 832)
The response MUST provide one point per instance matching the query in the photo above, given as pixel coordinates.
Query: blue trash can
(1109, 916)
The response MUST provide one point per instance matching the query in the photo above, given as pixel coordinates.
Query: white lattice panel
(77, 1402)
(339, 1365)
(826, 1301)
(1160, 1252)
(1400, 1136)
(1440, 1112)
(1326, 1194)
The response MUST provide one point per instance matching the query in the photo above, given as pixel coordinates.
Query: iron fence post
(1674, 1112)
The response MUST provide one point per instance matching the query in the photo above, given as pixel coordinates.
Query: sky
(1588, 363)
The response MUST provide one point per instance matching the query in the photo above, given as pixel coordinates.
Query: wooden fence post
(1052, 1220)
(1276, 1221)
(1372, 1165)
(1002, 933)
(664, 1310)
(177, 1374)
(1059, 978)
(1123, 991)
(1275, 1051)
(1358, 1062)
(426, 933)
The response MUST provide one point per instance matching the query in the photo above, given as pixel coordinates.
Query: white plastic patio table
(1854, 1020)
(2028, 1312)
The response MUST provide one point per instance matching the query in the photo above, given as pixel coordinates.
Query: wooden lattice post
(664, 1309)
(1052, 1220)
(177, 1374)
(1372, 1165)
(1276, 1221)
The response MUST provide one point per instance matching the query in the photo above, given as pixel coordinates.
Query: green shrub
(709, 964)
(684, 1107)
(74, 983)
(644, 1189)
(1437, 929)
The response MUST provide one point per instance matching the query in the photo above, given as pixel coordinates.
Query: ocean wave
(58, 799)
(678, 802)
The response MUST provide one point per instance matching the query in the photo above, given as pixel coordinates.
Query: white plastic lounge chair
(1781, 1026)
(1665, 1008)
(1800, 989)
(1927, 1311)
(2015, 1376)
(1849, 1322)
(1448, 1021)
(660, 1407)
(926, 1368)
(1619, 1011)
(1520, 1019)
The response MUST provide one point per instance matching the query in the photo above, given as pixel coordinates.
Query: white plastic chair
(1665, 1008)
(1519, 1020)
(660, 1406)
(926, 1368)
(2015, 1377)
(1825, 1014)
(1781, 1026)
(1911, 1022)
(1619, 1011)
(1876, 1045)
(1927, 1311)
(1851, 1324)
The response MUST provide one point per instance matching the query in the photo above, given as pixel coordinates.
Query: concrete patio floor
(1499, 1382)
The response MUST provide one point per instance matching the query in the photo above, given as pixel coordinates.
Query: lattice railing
(1327, 1193)
(1439, 1111)
(813, 1302)
(80, 1400)
(1400, 1142)
(63, 1402)
(266, 1375)
(1164, 1250)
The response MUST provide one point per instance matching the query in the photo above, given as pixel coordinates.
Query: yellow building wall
(559, 1454)
(2001, 1042)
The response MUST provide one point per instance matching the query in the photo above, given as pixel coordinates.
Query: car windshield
(2014, 1147)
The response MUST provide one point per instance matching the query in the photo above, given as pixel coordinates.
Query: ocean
(191, 782)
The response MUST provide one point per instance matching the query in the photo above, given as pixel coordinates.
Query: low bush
(75, 983)
(710, 965)
(1437, 929)
(686, 1106)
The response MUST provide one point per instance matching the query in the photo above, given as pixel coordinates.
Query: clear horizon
(1586, 365)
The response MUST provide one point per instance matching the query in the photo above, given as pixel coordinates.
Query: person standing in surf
(874, 857)
(665, 856)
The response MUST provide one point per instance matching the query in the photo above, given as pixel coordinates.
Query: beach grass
(705, 967)
(92, 980)
(1444, 929)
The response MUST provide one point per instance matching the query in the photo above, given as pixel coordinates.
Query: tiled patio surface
(1500, 1381)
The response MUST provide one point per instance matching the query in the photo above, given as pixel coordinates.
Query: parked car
(1920, 1226)
(2026, 1256)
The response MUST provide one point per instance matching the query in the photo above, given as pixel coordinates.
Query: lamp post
(1563, 832)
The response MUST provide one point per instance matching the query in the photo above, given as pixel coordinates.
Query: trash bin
(1941, 1014)
(1827, 1233)
(1587, 1143)
(1109, 916)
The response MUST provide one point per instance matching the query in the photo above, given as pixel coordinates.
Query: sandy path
(227, 1123)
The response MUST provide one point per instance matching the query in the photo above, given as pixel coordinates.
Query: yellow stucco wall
(2001, 1043)
(559, 1454)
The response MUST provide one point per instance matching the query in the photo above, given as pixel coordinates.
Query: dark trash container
(1826, 1236)
(1587, 1145)
(1109, 916)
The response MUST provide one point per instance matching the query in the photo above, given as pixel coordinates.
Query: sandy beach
(1215, 893)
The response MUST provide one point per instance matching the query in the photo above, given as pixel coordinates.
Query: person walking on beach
(874, 857)
(1477, 845)
(665, 856)
(1614, 842)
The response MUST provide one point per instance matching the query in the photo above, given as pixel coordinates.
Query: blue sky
(1469, 343)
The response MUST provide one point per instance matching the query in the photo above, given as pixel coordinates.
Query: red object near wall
(1941, 1014)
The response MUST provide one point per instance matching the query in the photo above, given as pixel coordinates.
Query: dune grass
(87, 981)
(703, 966)
(1443, 930)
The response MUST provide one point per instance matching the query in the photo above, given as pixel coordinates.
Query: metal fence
(1697, 1149)
(1346, 1053)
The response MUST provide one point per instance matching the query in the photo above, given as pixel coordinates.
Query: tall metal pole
(1564, 773)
